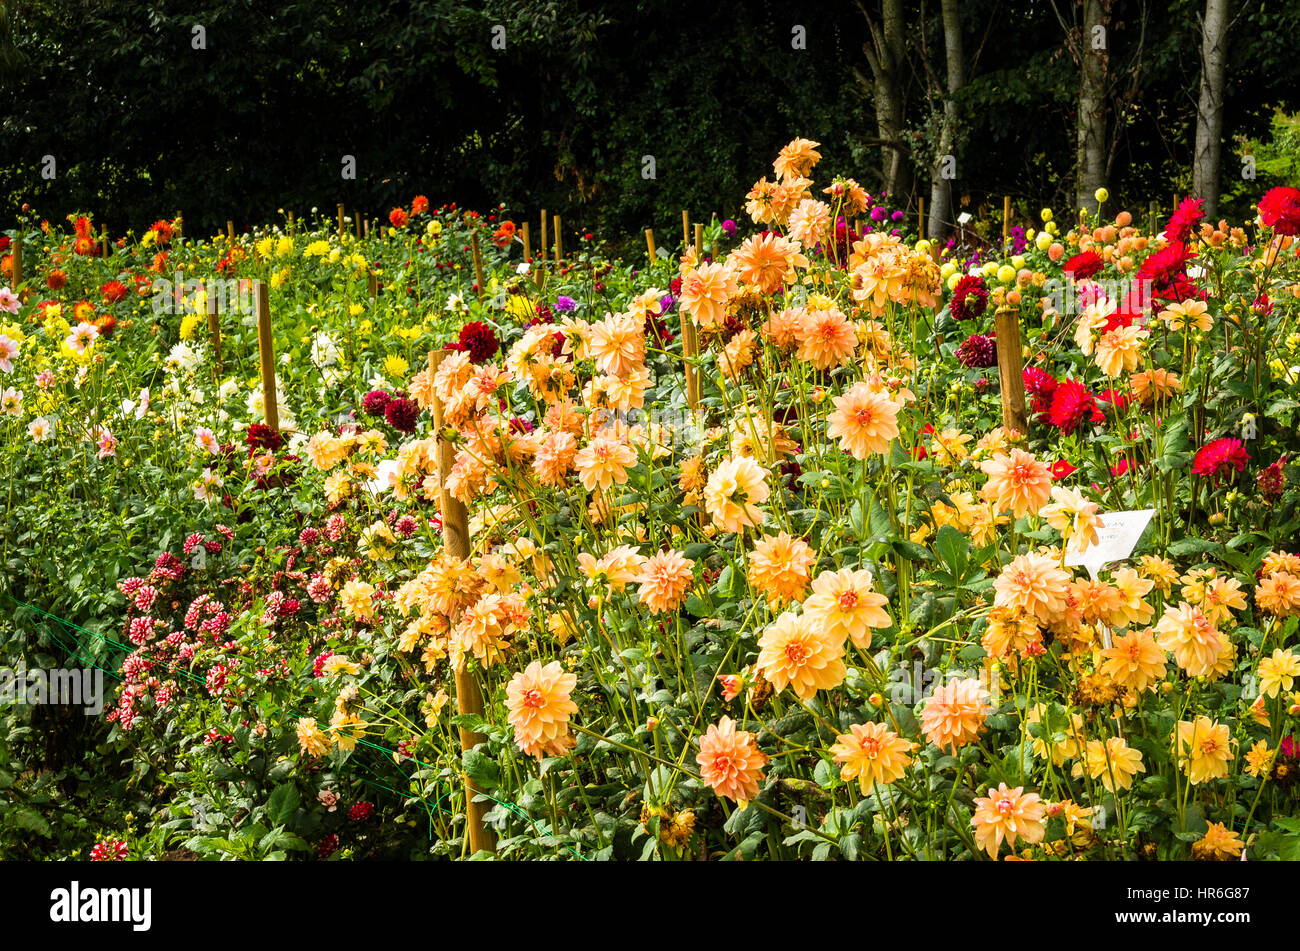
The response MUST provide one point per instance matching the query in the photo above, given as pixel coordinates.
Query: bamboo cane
(478, 263)
(455, 535)
(266, 351)
(340, 219)
(230, 233)
(214, 326)
(528, 243)
(372, 284)
(544, 245)
(16, 263)
(699, 242)
(1011, 369)
(1006, 218)
(291, 222)
(686, 230)
(559, 251)
(650, 243)
(920, 217)
(103, 242)
(365, 229)
(690, 349)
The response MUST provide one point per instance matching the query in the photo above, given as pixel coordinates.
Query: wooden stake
(559, 251)
(358, 224)
(230, 233)
(214, 325)
(699, 241)
(478, 263)
(340, 219)
(266, 350)
(178, 225)
(365, 229)
(528, 243)
(545, 244)
(920, 217)
(690, 348)
(650, 243)
(686, 230)
(291, 222)
(455, 539)
(1006, 218)
(372, 284)
(16, 262)
(103, 240)
(1011, 370)
(1151, 218)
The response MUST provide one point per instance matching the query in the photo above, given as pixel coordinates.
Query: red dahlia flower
(1166, 269)
(969, 298)
(1183, 222)
(1084, 265)
(397, 218)
(1272, 480)
(1040, 385)
(1215, 459)
(373, 403)
(401, 414)
(978, 352)
(1062, 470)
(479, 340)
(1279, 209)
(1071, 405)
(261, 436)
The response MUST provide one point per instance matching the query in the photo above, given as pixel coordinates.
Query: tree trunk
(941, 204)
(1093, 56)
(890, 112)
(1209, 113)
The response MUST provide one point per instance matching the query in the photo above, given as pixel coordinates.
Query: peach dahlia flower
(863, 421)
(537, 699)
(1010, 815)
(1017, 482)
(954, 715)
(730, 761)
(797, 652)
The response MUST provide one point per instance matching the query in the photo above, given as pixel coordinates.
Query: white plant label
(1117, 536)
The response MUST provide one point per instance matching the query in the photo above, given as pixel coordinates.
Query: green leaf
(849, 845)
(822, 774)
(1191, 546)
(953, 547)
(481, 769)
(910, 550)
(472, 722)
(283, 803)
(29, 819)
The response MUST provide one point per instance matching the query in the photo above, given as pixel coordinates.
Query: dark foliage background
(141, 124)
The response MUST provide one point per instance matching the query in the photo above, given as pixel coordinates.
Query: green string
(508, 805)
(107, 640)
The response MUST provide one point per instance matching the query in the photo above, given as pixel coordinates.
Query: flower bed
(825, 604)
